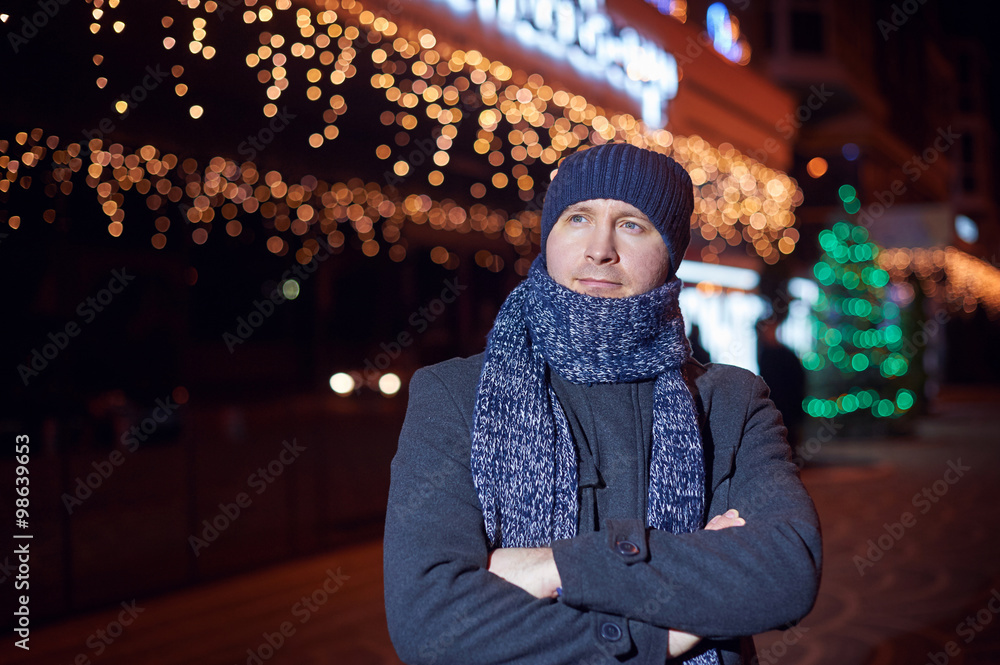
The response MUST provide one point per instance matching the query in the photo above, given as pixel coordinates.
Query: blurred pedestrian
(782, 370)
(698, 352)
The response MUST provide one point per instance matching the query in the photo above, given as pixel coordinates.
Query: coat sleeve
(738, 581)
(442, 604)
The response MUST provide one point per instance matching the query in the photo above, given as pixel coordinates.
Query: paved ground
(916, 589)
(901, 591)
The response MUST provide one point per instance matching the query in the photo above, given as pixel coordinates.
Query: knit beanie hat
(651, 181)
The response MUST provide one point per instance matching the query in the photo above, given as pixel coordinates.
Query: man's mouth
(598, 283)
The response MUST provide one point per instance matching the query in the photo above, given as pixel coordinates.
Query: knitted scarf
(524, 462)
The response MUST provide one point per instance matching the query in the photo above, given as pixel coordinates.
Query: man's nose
(601, 245)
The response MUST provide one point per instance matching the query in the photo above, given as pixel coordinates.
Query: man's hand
(531, 568)
(680, 641)
(730, 518)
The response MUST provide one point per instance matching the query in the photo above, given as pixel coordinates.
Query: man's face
(606, 248)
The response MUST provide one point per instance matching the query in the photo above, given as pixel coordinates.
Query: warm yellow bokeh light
(342, 383)
(816, 167)
(389, 384)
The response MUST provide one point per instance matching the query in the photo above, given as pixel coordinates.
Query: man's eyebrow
(589, 207)
(580, 206)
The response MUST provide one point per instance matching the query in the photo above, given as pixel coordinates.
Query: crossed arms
(534, 570)
(444, 604)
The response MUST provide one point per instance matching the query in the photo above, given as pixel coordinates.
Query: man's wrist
(550, 572)
(531, 568)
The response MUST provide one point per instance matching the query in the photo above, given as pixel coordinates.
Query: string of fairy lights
(948, 274)
(521, 121)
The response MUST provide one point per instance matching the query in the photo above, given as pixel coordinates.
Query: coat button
(627, 547)
(611, 632)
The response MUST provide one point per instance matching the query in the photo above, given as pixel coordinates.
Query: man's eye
(577, 219)
(631, 225)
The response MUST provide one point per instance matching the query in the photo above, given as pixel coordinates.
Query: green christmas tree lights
(859, 340)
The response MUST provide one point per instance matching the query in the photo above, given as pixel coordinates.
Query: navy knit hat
(651, 181)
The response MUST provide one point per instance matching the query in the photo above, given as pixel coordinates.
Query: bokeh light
(389, 384)
(816, 167)
(342, 383)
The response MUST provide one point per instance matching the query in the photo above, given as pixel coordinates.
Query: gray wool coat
(617, 602)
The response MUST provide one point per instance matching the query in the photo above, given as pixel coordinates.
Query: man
(549, 498)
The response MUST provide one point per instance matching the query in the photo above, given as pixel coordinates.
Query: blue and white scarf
(524, 461)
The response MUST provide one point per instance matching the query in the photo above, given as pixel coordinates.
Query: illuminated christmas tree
(861, 356)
